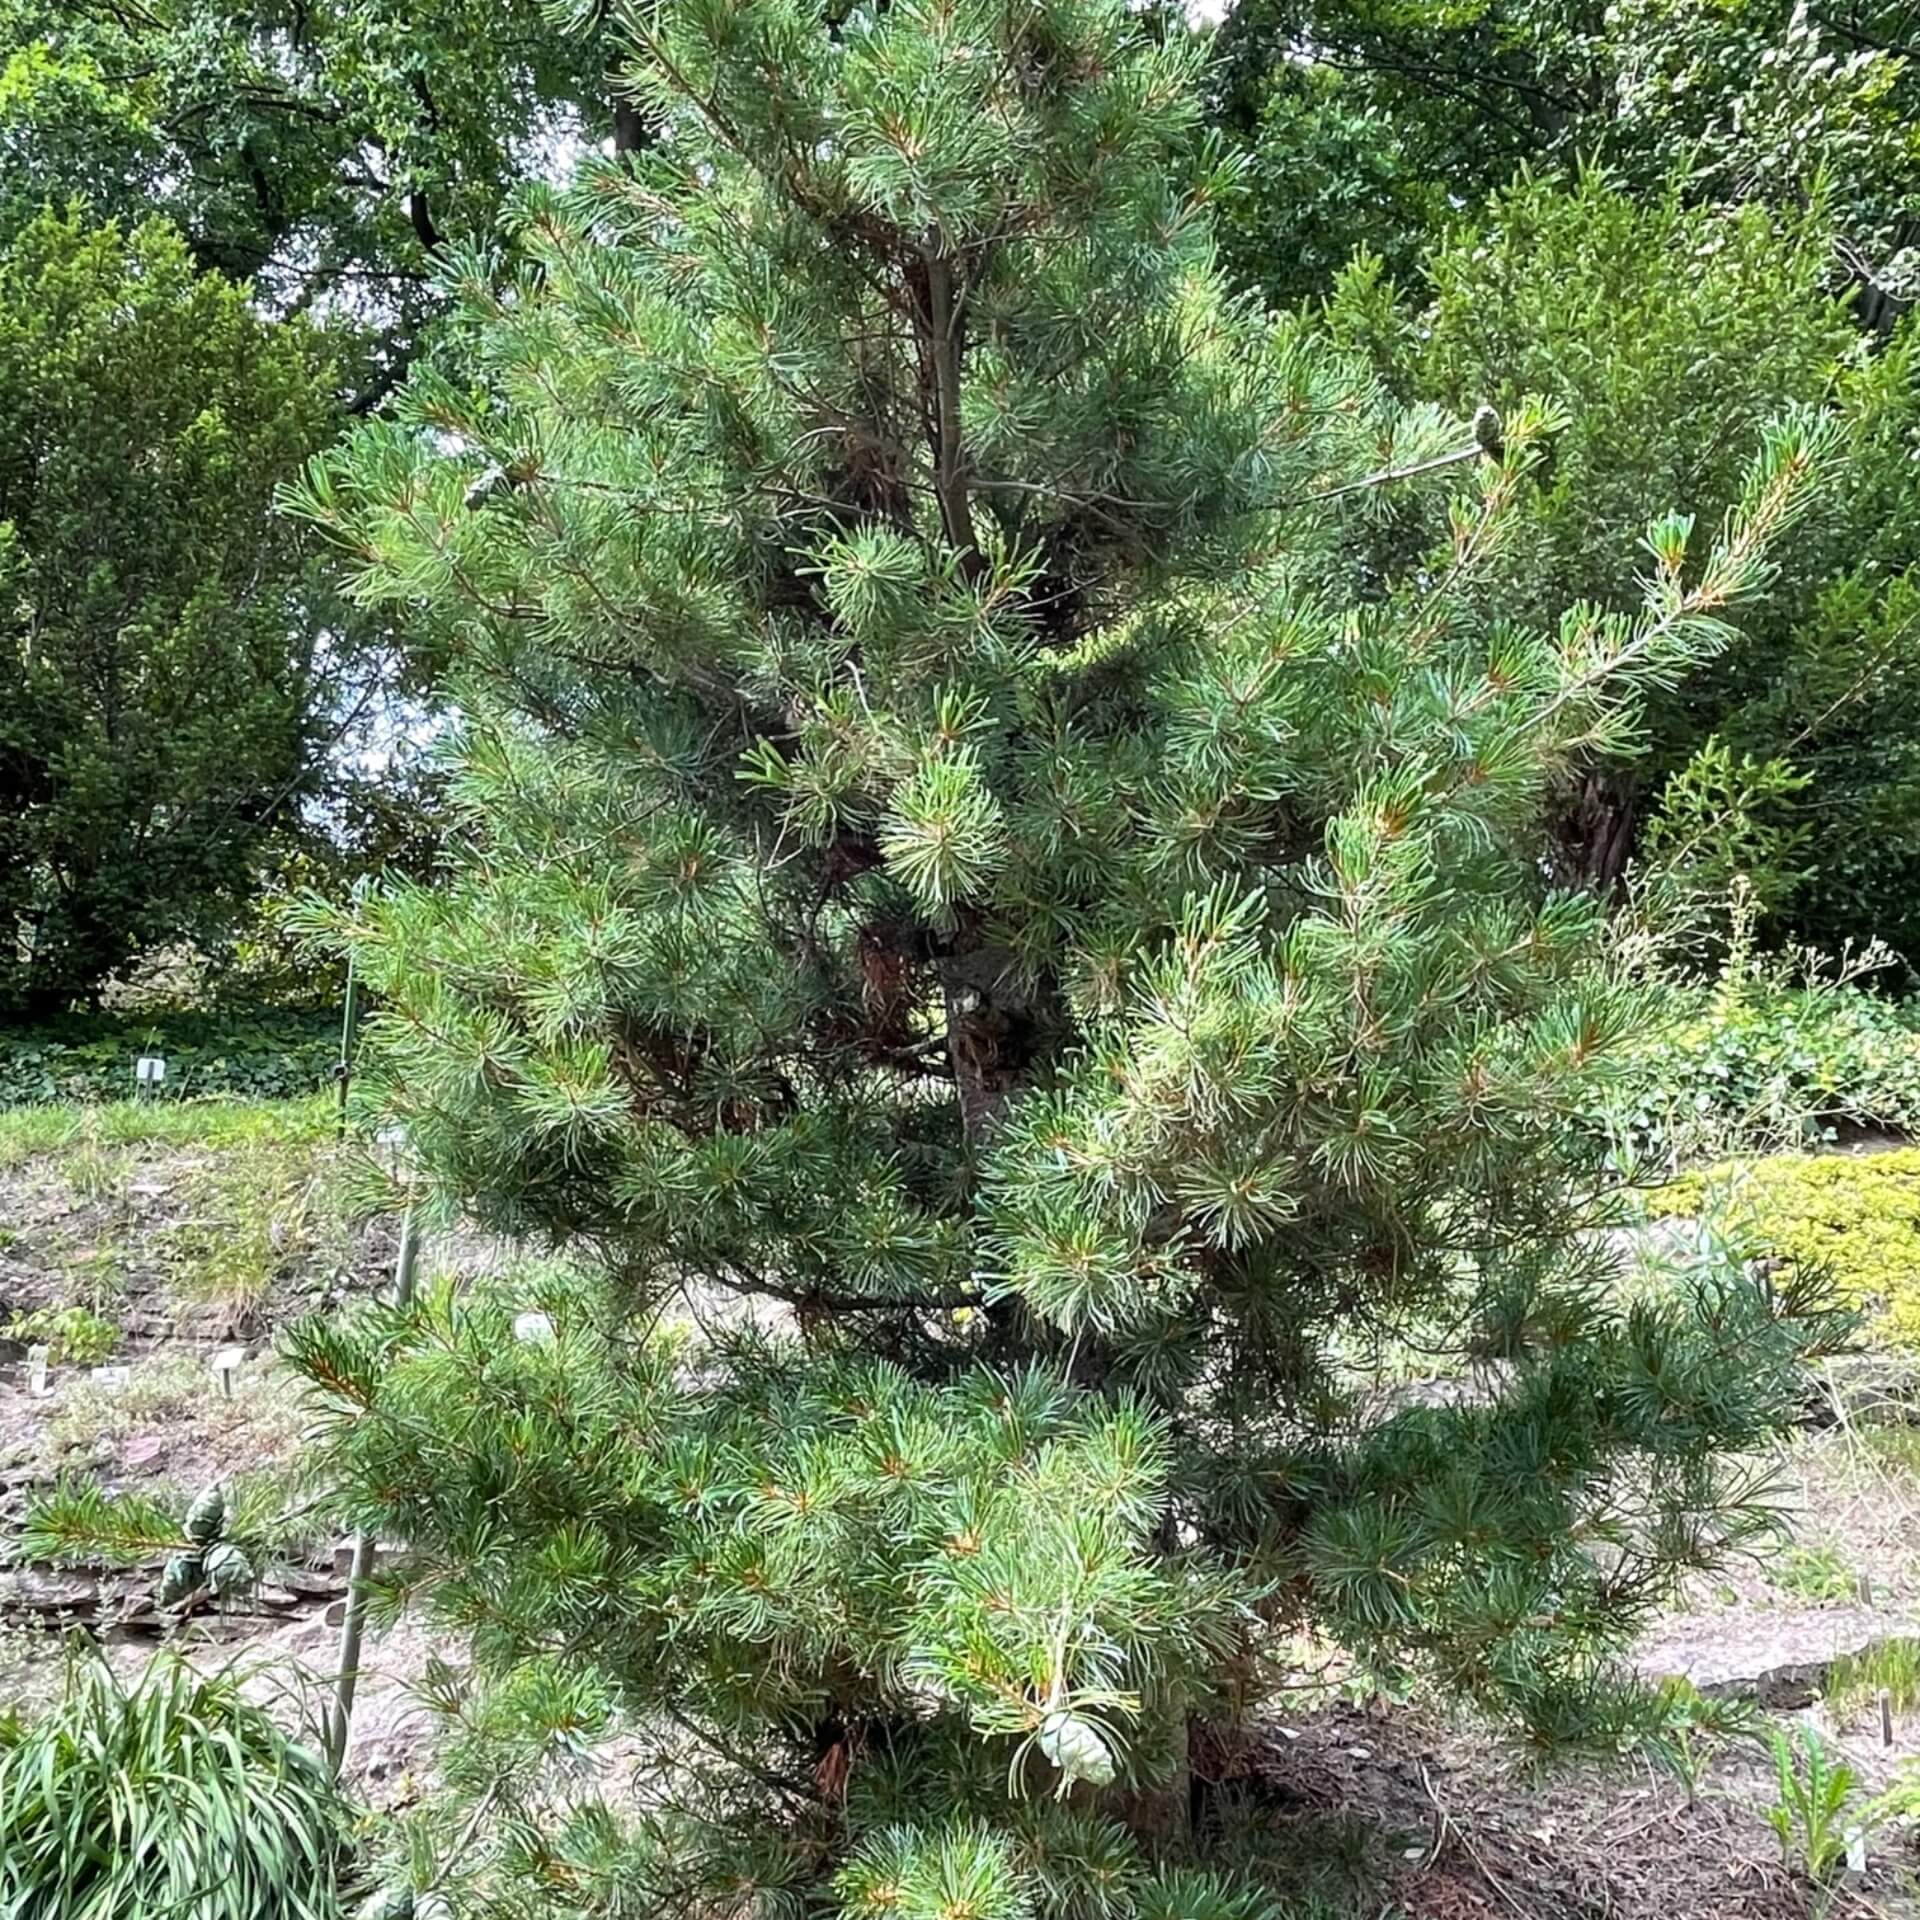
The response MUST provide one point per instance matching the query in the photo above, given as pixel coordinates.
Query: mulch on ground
(1472, 1833)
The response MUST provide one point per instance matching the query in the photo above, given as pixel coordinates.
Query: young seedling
(1809, 1816)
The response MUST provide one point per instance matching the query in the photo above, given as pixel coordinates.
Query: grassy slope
(214, 1124)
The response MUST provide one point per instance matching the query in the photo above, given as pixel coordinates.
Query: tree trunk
(1599, 829)
(997, 1030)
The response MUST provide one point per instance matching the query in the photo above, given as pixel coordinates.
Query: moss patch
(1856, 1216)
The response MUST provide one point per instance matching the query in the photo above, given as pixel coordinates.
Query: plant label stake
(226, 1363)
(149, 1075)
(37, 1372)
(391, 1145)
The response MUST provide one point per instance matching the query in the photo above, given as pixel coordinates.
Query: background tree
(170, 660)
(1667, 332)
(320, 152)
(1435, 108)
(958, 860)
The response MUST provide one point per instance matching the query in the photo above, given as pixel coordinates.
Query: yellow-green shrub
(1855, 1215)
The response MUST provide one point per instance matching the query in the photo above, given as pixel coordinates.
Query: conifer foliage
(1016, 974)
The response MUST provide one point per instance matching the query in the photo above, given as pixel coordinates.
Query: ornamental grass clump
(177, 1796)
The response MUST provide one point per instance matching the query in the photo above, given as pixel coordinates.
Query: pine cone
(1076, 1748)
(228, 1569)
(206, 1517)
(181, 1576)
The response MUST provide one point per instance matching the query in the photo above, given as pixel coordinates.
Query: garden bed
(1441, 1819)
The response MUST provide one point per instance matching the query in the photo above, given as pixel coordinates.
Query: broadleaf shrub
(1855, 1217)
(1771, 1072)
(263, 1056)
(73, 1336)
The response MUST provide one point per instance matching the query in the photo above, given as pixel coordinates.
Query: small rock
(124, 1631)
(38, 1592)
(1777, 1659)
(143, 1448)
(311, 1585)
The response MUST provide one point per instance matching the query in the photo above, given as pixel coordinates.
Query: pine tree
(1016, 976)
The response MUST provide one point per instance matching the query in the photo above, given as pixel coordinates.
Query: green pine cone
(181, 1575)
(1076, 1748)
(228, 1569)
(206, 1517)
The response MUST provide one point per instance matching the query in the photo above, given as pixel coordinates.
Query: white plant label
(150, 1070)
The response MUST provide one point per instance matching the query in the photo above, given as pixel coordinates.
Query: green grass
(178, 1796)
(1896, 1449)
(95, 1172)
(1813, 1573)
(27, 1133)
(261, 1211)
(1856, 1680)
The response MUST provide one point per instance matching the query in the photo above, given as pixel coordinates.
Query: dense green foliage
(312, 160)
(963, 864)
(1747, 234)
(166, 663)
(1760, 1067)
(335, 155)
(260, 1056)
(1855, 1216)
(1666, 334)
(321, 152)
(177, 1796)
(1382, 125)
